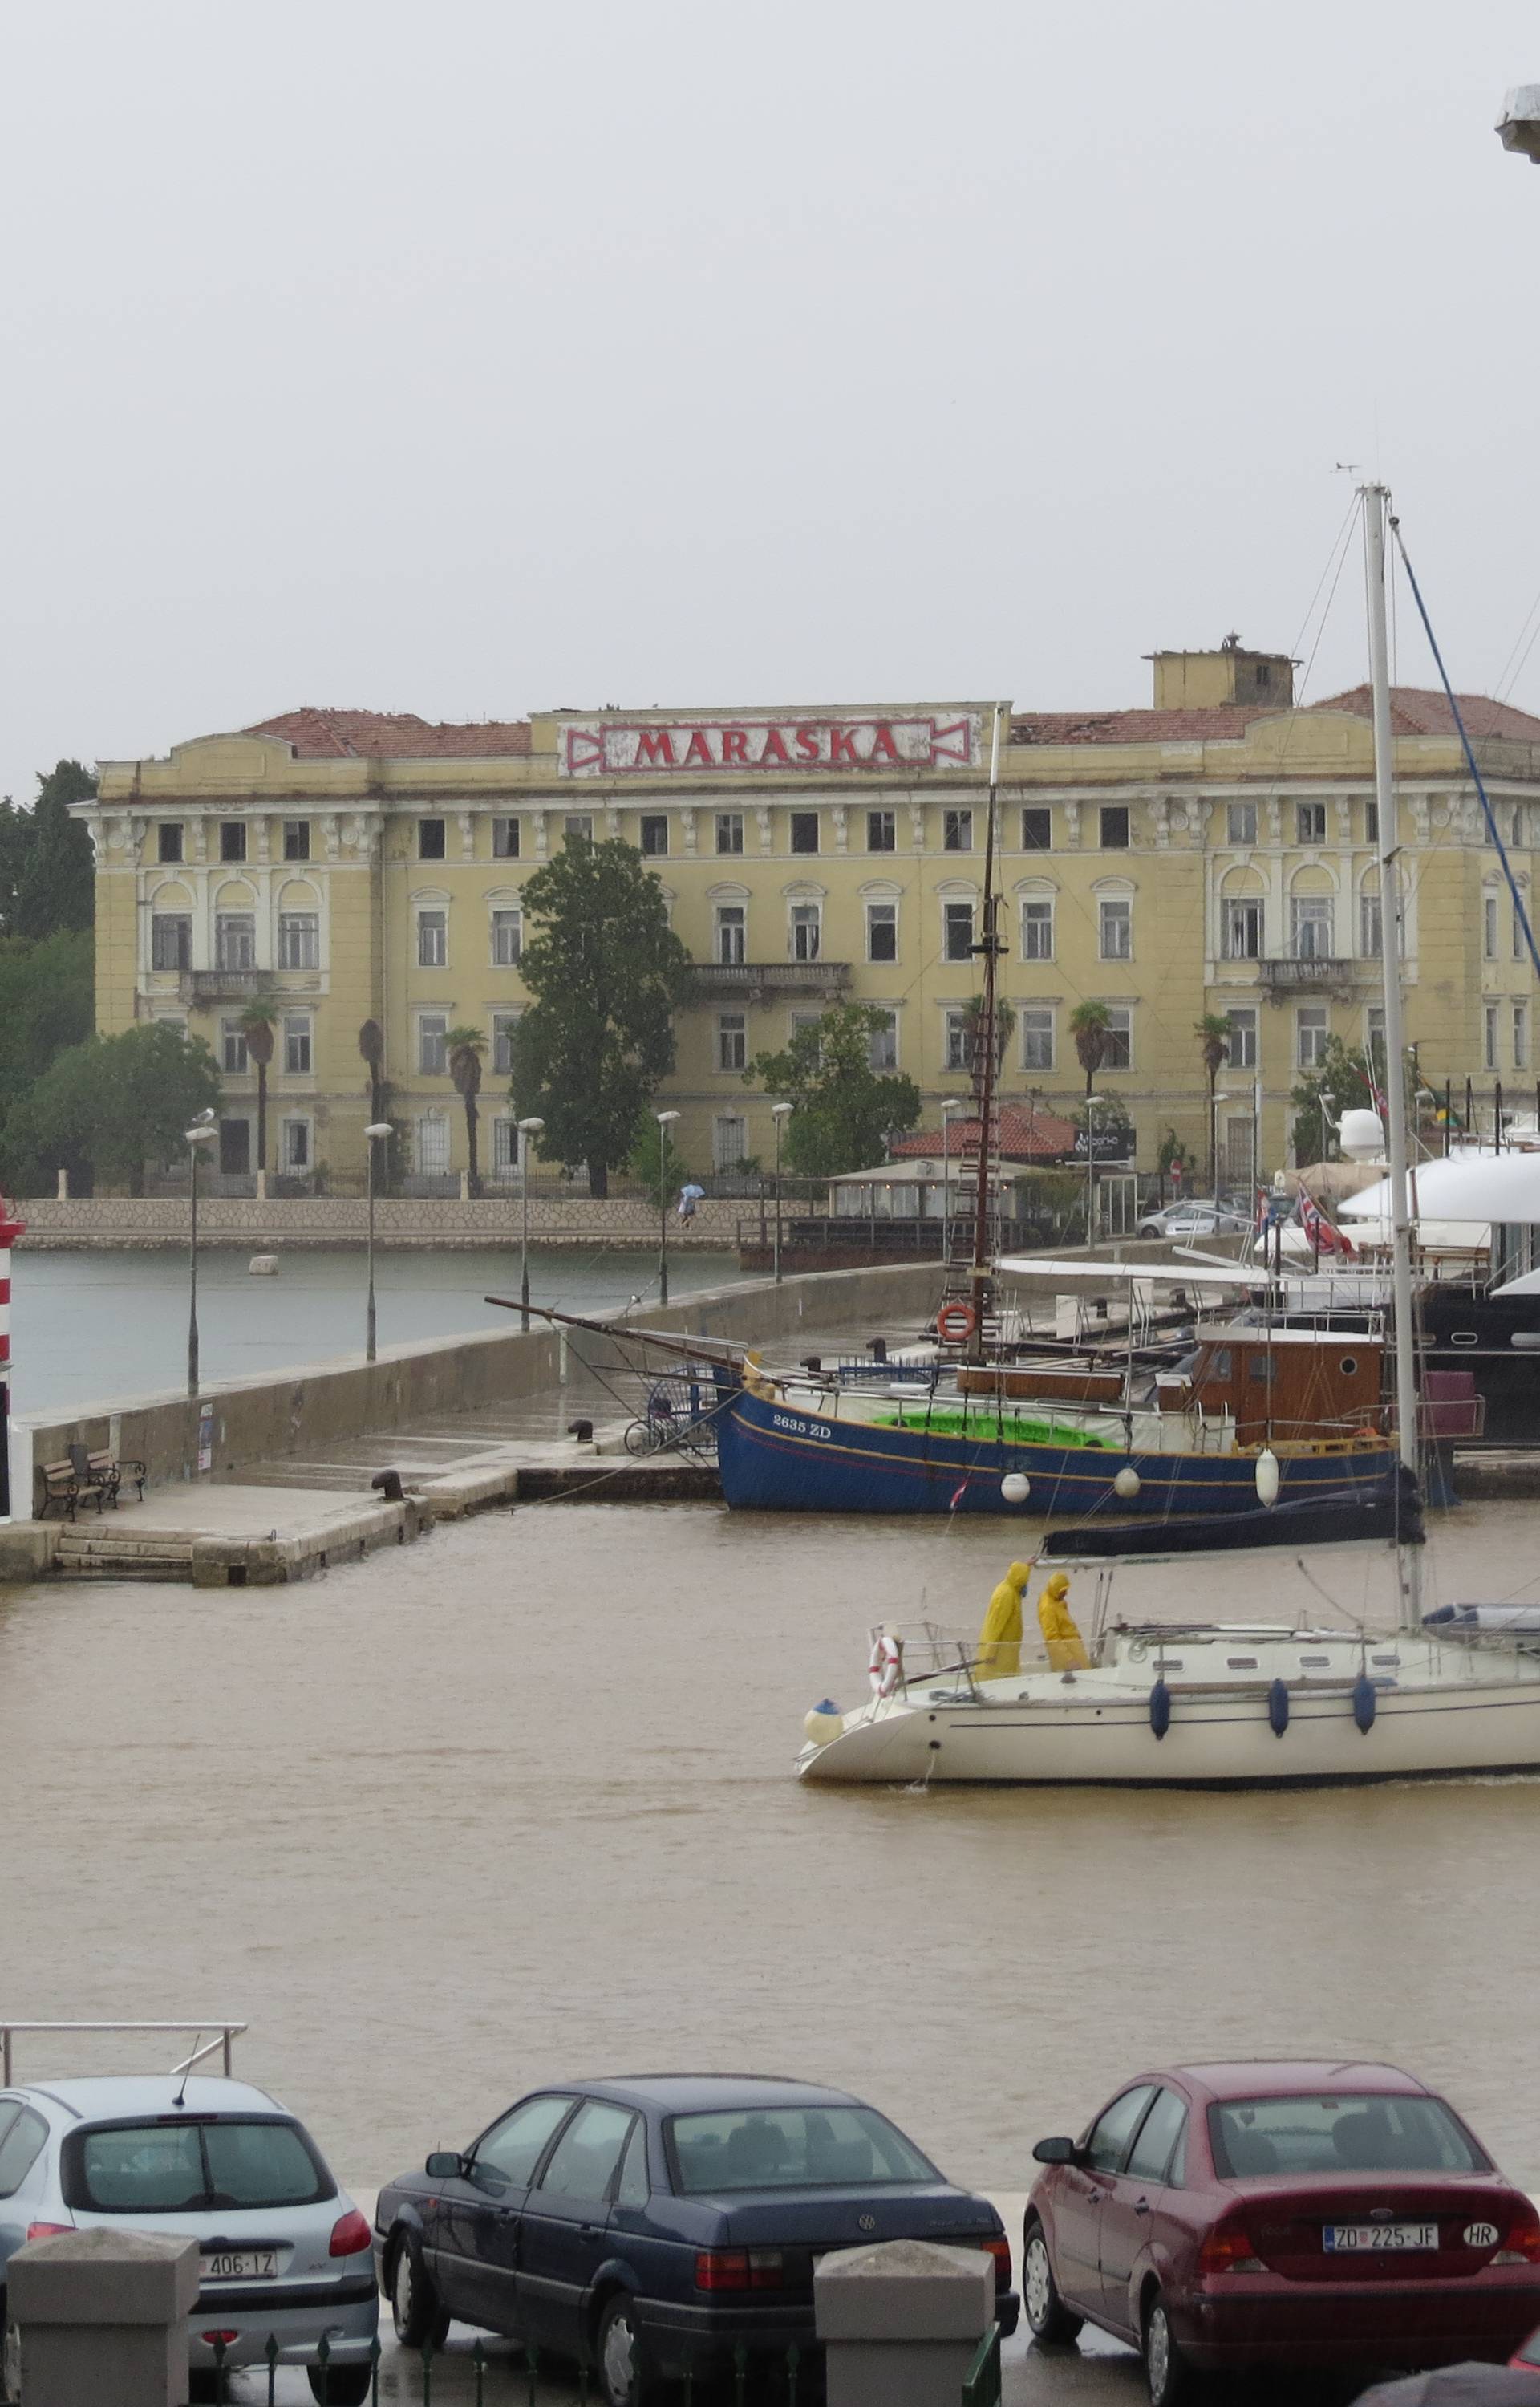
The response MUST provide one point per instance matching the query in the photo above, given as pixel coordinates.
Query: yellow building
(1211, 854)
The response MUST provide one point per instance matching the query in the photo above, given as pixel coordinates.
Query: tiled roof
(395, 735)
(1415, 710)
(1024, 1136)
(1422, 710)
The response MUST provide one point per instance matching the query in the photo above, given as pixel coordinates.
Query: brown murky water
(517, 1803)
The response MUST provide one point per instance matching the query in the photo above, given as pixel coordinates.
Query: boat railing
(929, 1650)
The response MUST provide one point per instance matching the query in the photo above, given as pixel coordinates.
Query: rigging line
(1533, 612)
(1519, 913)
(1522, 664)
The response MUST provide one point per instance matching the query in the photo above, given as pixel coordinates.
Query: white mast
(1377, 500)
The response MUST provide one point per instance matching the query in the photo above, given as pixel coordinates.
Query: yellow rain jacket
(1066, 1646)
(999, 1653)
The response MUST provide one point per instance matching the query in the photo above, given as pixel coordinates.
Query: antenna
(180, 2098)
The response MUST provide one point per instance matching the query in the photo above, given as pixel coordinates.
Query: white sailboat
(1224, 1703)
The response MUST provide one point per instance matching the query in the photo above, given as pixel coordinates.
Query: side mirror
(1055, 2151)
(444, 2165)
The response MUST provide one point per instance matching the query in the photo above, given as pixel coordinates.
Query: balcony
(1319, 976)
(758, 982)
(203, 987)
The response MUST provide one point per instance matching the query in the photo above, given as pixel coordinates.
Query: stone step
(124, 1542)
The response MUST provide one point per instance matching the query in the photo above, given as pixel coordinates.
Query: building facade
(1212, 854)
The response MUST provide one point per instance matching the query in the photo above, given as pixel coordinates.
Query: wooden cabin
(1283, 1386)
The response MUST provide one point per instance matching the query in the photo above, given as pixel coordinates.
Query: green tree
(55, 887)
(1091, 1026)
(606, 973)
(372, 1048)
(15, 844)
(465, 1048)
(842, 1107)
(1339, 1084)
(46, 1003)
(1213, 1032)
(107, 1106)
(256, 1025)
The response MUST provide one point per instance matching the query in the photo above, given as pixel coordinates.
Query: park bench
(84, 1477)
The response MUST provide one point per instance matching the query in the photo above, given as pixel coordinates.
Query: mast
(986, 1057)
(1376, 499)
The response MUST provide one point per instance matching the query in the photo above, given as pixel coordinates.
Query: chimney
(1222, 680)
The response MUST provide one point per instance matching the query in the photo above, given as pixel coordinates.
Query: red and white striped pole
(11, 1227)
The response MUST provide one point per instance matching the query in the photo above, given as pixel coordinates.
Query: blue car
(647, 2228)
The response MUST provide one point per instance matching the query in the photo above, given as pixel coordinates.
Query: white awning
(1126, 1274)
(1467, 1187)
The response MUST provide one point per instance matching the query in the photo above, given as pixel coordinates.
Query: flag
(1322, 1236)
(957, 1498)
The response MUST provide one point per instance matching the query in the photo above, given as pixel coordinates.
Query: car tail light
(738, 2268)
(1000, 2250)
(47, 2230)
(1227, 2249)
(1521, 2243)
(350, 2233)
(218, 2339)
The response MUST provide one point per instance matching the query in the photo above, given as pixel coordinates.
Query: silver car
(285, 2252)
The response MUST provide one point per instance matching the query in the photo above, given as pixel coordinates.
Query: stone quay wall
(83, 1223)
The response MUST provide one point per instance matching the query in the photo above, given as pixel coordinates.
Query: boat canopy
(1139, 1274)
(1467, 1187)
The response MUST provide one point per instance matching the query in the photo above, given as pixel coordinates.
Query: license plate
(1379, 2235)
(240, 2265)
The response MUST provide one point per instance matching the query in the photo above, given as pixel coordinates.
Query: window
(577, 827)
(1037, 1039)
(791, 2147)
(1241, 928)
(235, 940)
(805, 918)
(956, 1029)
(169, 840)
(1369, 925)
(296, 839)
(1489, 928)
(1241, 822)
(430, 839)
(1119, 1054)
(1374, 1023)
(234, 1058)
(299, 940)
(432, 1146)
(1114, 827)
(957, 932)
(587, 2155)
(1371, 822)
(655, 835)
(729, 835)
(294, 1144)
(232, 839)
(956, 831)
(882, 1049)
(1243, 1040)
(1158, 2135)
(505, 1148)
(433, 939)
(732, 1041)
(505, 839)
(804, 830)
(1310, 822)
(1108, 2144)
(1489, 1018)
(1036, 830)
(882, 932)
(234, 1148)
(634, 2188)
(297, 1059)
(1339, 2133)
(1037, 930)
(513, 2147)
(1116, 922)
(170, 940)
(433, 1027)
(153, 2168)
(729, 1141)
(1310, 926)
(507, 938)
(503, 1025)
(1520, 1036)
(731, 931)
(20, 2145)
(1310, 1036)
(880, 832)
(1515, 934)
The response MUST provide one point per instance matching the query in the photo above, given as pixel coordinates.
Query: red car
(1230, 2216)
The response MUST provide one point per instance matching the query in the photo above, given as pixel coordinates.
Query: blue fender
(1160, 1708)
(1365, 1702)
(1278, 1707)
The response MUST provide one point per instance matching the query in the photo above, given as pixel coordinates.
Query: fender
(616, 2274)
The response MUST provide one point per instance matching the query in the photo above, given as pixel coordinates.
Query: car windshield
(1339, 2134)
(182, 2167)
(792, 2147)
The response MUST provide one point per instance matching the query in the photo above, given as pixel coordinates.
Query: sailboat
(1223, 1703)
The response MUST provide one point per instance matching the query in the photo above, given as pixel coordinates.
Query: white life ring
(886, 1668)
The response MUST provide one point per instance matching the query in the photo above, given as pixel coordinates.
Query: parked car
(654, 2225)
(1196, 1218)
(283, 2248)
(1232, 2215)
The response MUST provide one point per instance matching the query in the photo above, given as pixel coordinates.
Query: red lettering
(807, 742)
(841, 747)
(882, 745)
(775, 747)
(735, 747)
(698, 749)
(653, 745)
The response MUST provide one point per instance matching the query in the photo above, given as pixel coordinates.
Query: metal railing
(225, 2036)
(1320, 971)
(775, 978)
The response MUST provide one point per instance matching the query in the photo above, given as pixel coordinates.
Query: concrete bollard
(900, 2321)
(64, 1187)
(102, 2316)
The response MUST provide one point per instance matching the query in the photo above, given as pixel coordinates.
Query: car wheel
(616, 2350)
(1170, 2377)
(1049, 2318)
(415, 2309)
(340, 2385)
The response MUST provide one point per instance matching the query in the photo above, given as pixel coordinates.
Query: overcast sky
(472, 357)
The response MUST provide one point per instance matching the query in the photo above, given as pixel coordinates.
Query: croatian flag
(1322, 1236)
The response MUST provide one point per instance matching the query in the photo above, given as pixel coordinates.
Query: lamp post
(527, 1129)
(373, 1134)
(1220, 1095)
(203, 1131)
(948, 1106)
(1091, 1103)
(664, 1120)
(780, 1113)
(1519, 127)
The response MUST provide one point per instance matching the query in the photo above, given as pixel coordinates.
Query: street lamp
(527, 1129)
(779, 1112)
(1091, 1103)
(1519, 127)
(952, 1105)
(1220, 1095)
(664, 1120)
(203, 1131)
(375, 1129)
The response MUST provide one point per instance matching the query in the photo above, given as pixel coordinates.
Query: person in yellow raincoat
(1066, 1646)
(999, 1653)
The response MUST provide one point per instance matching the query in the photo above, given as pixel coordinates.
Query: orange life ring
(955, 1323)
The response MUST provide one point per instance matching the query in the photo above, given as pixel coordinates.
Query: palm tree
(372, 1047)
(256, 1026)
(1213, 1032)
(1091, 1026)
(465, 1048)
